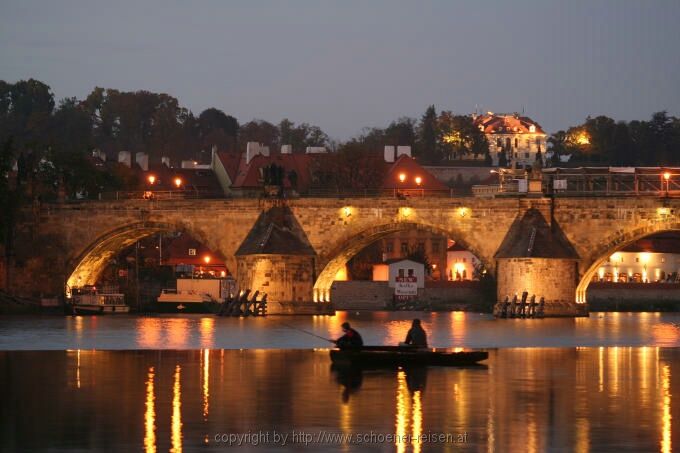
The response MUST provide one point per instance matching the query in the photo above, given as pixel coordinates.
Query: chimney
(315, 149)
(389, 153)
(252, 150)
(286, 149)
(403, 150)
(165, 160)
(124, 158)
(142, 159)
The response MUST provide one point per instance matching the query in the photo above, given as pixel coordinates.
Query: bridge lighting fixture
(178, 182)
(462, 212)
(347, 211)
(207, 260)
(406, 212)
(402, 177)
(666, 175)
(152, 179)
(419, 180)
(663, 212)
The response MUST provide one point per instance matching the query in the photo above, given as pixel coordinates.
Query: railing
(633, 182)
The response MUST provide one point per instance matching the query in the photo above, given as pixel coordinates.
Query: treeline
(604, 141)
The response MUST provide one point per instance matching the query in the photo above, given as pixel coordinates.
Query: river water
(610, 382)
(455, 329)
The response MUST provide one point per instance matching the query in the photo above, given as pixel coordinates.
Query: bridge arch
(87, 267)
(349, 246)
(605, 250)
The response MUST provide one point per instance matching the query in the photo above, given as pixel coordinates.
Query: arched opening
(636, 261)
(140, 261)
(367, 256)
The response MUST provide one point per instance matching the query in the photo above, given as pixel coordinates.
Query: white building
(460, 263)
(653, 259)
(518, 136)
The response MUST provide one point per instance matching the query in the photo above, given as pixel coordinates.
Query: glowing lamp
(666, 175)
(419, 180)
(207, 260)
(178, 182)
(152, 179)
(402, 177)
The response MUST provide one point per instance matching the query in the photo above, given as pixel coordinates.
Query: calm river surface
(198, 383)
(456, 329)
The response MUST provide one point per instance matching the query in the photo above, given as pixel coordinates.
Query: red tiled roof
(249, 175)
(506, 124)
(230, 162)
(201, 179)
(411, 170)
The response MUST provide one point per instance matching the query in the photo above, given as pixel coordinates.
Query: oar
(306, 331)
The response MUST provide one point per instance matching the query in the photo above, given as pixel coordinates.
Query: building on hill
(519, 137)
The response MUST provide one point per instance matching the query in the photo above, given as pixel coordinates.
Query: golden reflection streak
(150, 415)
(666, 427)
(417, 428)
(614, 368)
(207, 330)
(402, 411)
(206, 383)
(600, 367)
(176, 423)
(78, 369)
(149, 332)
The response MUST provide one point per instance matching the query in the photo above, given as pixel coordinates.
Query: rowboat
(387, 356)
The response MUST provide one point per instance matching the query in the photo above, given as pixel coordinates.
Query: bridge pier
(276, 258)
(536, 257)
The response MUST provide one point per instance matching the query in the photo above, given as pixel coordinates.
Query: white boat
(89, 301)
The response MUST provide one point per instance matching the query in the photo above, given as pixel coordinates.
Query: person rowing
(351, 338)
(416, 336)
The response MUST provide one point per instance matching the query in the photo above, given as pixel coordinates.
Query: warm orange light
(152, 179)
(207, 260)
(402, 177)
(666, 176)
(178, 182)
(419, 180)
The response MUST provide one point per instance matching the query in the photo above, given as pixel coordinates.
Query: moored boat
(387, 356)
(90, 301)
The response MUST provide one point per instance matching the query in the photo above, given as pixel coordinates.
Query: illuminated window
(663, 259)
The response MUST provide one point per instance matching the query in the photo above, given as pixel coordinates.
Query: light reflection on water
(578, 399)
(456, 329)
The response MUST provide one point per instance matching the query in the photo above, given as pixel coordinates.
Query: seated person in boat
(351, 338)
(416, 335)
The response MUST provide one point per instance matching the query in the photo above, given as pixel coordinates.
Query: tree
(459, 137)
(503, 159)
(218, 129)
(400, 132)
(419, 255)
(301, 136)
(258, 131)
(427, 137)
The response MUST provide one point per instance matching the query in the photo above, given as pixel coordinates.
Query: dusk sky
(351, 64)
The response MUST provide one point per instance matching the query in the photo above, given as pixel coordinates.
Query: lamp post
(667, 177)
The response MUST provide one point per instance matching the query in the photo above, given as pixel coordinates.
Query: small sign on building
(406, 286)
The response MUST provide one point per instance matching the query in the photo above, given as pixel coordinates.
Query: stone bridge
(550, 247)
